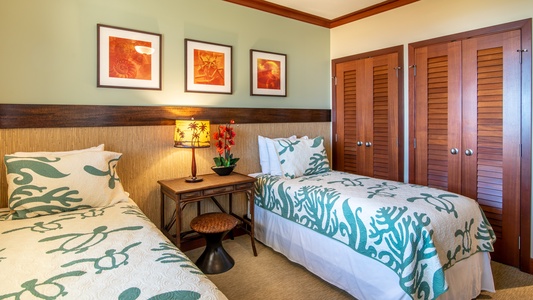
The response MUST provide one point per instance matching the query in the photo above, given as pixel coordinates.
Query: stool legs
(214, 259)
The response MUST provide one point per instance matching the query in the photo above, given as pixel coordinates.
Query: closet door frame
(337, 139)
(526, 262)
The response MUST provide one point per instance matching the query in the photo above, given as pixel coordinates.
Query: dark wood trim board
(54, 116)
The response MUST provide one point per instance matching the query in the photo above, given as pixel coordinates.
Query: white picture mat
(103, 48)
(192, 45)
(255, 55)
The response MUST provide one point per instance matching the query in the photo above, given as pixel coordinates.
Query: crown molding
(319, 21)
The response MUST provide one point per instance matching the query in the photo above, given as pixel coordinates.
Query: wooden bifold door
(366, 126)
(466, 127)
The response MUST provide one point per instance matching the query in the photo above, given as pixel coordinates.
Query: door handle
(368, 144)
(469, 152)
(359, 143)
(454, 151)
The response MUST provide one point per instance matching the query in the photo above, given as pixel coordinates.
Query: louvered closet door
(367, 117)
(467, 128)
(491, 129)
(385, 117)
(346, 115)
(438, 116)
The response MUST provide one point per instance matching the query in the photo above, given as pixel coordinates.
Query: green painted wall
(48, 51)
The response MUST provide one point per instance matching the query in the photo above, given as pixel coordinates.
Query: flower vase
(223, 170)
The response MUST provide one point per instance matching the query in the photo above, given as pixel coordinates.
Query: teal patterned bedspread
(111, 252)
(416, 231)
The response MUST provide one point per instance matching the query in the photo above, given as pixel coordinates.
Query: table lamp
(192, 134)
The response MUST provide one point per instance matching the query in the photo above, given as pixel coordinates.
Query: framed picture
(208, 67)
(128, 58)
(268, 74)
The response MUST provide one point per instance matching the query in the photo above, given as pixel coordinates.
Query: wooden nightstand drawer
(244, 186)
(224, 189)
(190, 195)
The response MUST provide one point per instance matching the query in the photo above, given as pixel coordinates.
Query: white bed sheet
(361, 276)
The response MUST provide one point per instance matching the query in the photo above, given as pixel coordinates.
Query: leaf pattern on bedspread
(81, 242)
(136, 212)
(42, 227)
(317, 205)
(49, 289)
(111, 252)
(410, 246)
(89, 213)
(394, 223)
(111, 260)
(171, 256)
(440, 202)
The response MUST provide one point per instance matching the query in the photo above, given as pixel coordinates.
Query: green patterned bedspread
(111, 252)
(416, 231)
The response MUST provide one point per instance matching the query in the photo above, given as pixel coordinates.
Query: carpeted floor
(272, 276)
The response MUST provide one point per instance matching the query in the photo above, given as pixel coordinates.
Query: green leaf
(40, 165)
(218, 161)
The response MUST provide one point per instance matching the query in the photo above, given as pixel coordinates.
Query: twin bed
(72, 232)
(376, 239)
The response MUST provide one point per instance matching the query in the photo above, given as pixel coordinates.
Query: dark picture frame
(128, 58)
(268, 73)
(208, 67)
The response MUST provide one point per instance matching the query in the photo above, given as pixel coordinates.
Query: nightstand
(213, 185)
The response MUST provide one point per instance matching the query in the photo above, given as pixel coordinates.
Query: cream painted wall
(424, 20)
(48, 51)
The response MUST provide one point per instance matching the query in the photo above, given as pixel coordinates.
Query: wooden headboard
(144, 134)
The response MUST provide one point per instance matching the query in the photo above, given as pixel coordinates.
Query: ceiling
(326, 13)
(328, 9)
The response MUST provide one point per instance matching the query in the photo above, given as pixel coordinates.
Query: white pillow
(273, 159)
(57, 154)
(43, 185)
(268, 156)
(263, 155)
(302, 157)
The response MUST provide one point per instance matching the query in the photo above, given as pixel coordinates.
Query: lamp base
(194, 179)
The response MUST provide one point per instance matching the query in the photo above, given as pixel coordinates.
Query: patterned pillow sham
(51, 184)
(302, 157)
(268, 155)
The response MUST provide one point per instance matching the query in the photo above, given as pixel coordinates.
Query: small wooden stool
(213, 227)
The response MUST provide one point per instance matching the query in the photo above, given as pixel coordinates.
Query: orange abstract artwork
(208, 67)
(126, 62)
(268, 74)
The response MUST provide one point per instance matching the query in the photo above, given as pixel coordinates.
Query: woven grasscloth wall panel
(149, 155)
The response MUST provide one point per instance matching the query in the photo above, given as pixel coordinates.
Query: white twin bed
(376, 239)
(71, 232)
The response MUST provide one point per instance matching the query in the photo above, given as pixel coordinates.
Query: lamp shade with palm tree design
(192, 134)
